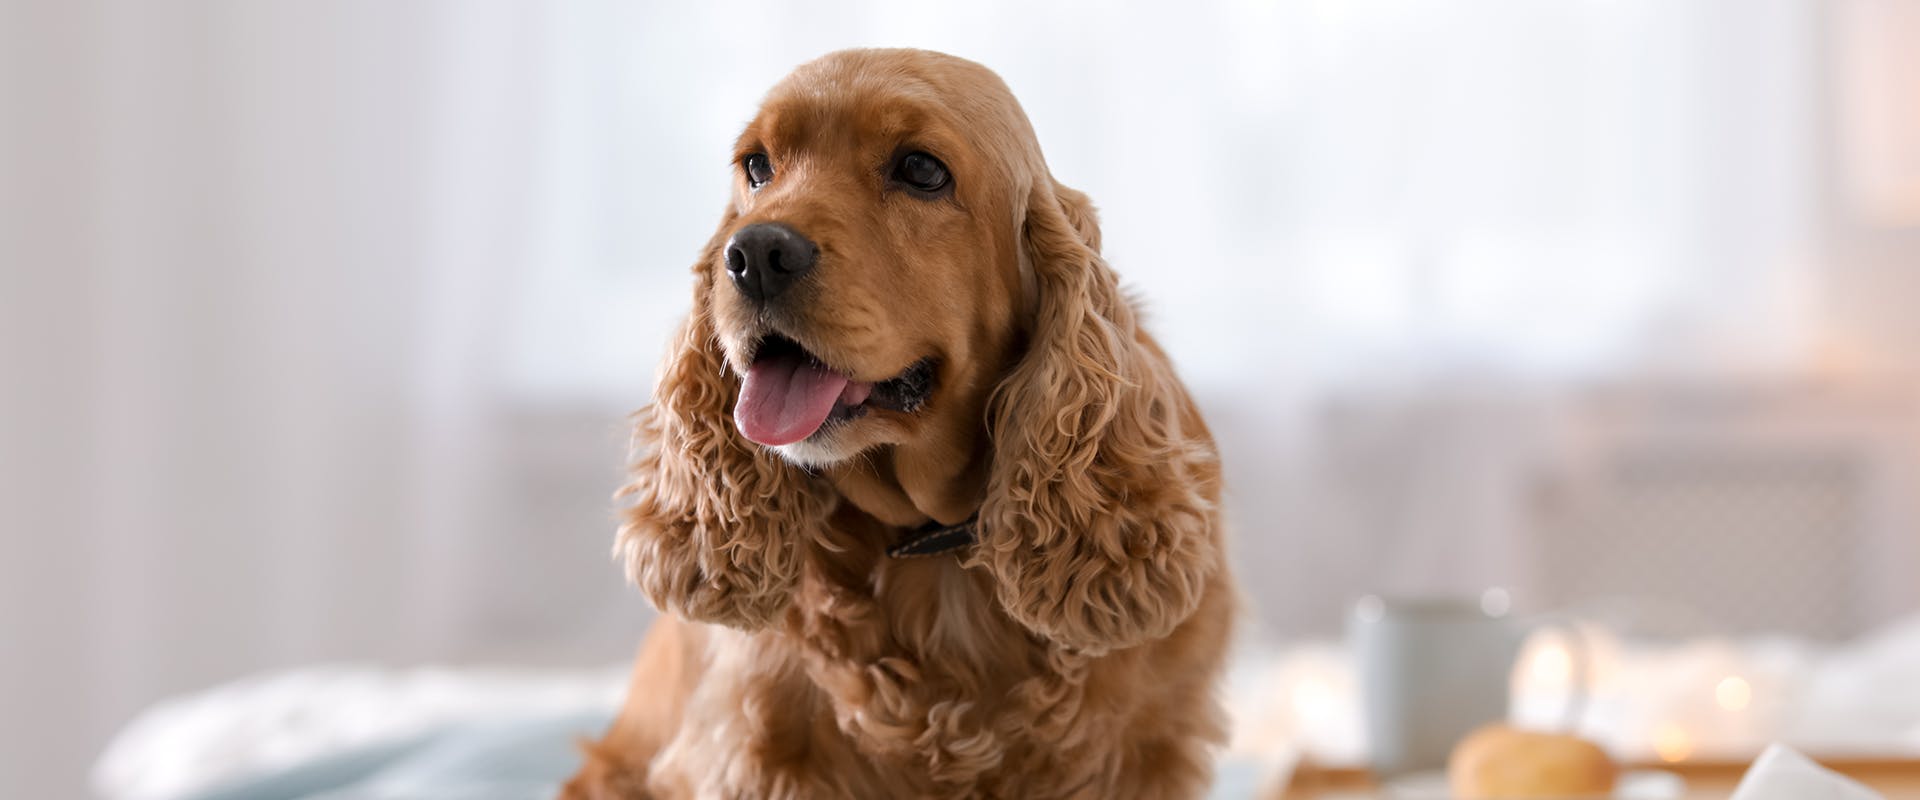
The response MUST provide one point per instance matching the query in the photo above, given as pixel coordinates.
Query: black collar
(934, 539)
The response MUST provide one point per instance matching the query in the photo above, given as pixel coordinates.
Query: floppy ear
(1098, 524)
(716, 524)
(1078, 209)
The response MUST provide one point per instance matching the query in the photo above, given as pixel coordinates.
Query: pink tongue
(785, 399)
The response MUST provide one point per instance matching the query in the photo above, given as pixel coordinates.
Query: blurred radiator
(1735, 509)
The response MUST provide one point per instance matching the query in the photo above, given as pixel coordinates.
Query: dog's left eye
(922, 172)
(759, 169)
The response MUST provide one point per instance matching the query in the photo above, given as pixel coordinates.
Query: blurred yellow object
(1672, 743)
(1498, 762)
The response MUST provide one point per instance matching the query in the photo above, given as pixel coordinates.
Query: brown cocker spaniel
(928, 511)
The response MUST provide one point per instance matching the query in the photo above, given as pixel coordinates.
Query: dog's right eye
(759, 170)
(922, 172)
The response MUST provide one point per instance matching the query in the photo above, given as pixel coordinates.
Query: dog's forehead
(913, 74)
(883, 95)
(803, 118)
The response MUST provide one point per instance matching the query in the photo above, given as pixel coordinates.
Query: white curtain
(261, 265)
(1329, 188)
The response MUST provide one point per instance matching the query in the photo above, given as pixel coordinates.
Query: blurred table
(1897, 779)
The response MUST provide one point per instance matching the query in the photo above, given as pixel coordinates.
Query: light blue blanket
(510, 760)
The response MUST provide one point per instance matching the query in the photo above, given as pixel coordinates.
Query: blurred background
(320, 321)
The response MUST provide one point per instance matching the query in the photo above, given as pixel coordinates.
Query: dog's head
(868, 288)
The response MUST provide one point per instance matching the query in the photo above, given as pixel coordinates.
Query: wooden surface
(1897, 779)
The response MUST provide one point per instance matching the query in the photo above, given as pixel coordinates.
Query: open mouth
(788, 394)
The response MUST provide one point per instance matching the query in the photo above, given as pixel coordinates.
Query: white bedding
(267, 724)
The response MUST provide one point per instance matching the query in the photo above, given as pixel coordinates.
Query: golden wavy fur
(1071, 652)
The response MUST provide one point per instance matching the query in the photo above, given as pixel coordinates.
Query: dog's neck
(894, 486)
(940, 476)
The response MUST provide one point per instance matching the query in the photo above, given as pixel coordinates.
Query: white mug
(1431, 670)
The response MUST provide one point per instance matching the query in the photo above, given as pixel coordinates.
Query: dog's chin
(819, 451)
(847, 434)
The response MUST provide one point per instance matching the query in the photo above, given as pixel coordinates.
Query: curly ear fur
(715, 528)
(1099, 523)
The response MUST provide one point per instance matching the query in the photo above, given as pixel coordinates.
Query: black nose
(765, 258)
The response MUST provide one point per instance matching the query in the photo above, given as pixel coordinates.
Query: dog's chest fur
(923, 672)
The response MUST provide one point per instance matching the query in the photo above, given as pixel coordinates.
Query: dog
(926, 510)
